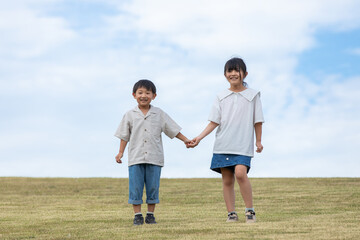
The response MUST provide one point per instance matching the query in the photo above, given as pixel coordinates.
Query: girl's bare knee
(228, 182)
(227, 177)
(241, 177)
(241, 173)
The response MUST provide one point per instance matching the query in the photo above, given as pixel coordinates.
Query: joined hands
(192, 143)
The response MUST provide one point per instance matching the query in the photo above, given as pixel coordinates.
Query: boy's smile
(144, 97)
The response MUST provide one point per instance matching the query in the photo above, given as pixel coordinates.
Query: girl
(237, 112)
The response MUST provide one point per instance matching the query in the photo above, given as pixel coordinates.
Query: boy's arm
(258, 133)
(209, 128)
(121, 151)
(182, 138)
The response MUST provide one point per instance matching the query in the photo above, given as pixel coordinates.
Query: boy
(142, 128)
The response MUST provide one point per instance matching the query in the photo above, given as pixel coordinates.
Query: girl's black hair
(149, 85)
(235, 64)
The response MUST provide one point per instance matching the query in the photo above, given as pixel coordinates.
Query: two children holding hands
(236, 113)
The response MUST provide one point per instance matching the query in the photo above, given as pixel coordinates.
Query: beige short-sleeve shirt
(143, 134)
(236, 113)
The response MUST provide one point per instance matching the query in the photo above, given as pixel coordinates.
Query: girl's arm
(121, 151)
(258, 133)
(209, 128)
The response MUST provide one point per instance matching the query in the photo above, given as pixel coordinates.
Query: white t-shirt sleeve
(123, 131)
(215, 114)
(258, 113)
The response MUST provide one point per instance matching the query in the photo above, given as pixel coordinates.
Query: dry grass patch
(96, 208)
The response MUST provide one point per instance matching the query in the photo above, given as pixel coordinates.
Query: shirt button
(227, 158)
(145, 152)
(145, 130)
(145, 141)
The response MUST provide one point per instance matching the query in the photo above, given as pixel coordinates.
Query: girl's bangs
(236, 64)
(232, 66)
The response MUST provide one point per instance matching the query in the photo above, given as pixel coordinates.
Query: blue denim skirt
(229, 161)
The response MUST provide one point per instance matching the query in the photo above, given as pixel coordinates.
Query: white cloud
(321, 125)
(253, 28)
(28, 33)
(354, 51)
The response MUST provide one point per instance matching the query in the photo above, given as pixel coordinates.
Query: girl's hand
(259, 147)
(118, 157)
(194, 142)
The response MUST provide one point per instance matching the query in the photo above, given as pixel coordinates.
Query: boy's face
(144, 97)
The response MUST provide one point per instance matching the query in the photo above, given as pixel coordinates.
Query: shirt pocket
(155, 130)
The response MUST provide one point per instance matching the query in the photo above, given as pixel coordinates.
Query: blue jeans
(140, 175)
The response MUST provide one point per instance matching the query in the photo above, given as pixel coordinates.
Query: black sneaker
(138, 220)
(150, 219)
(250, 217)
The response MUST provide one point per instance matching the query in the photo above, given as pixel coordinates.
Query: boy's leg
(151, 207)
(136, 186)
(228, 188)
(152, 184)
(137, 208)
(245, 185)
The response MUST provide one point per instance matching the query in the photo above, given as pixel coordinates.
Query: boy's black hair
(149, 85)
(236, 64)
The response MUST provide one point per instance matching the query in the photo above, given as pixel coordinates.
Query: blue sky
(333, 53)
(67, 69)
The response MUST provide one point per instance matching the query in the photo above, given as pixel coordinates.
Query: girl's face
(235, 77)
(144, 97)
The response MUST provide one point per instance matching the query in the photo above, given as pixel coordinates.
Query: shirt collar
(248, 93)
(152, 110)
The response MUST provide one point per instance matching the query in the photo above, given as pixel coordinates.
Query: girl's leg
(244, 184)
(228, 188)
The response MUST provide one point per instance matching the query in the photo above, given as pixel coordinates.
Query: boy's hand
(187, 141)
(193, 143)
(118, 157)
(259, 147)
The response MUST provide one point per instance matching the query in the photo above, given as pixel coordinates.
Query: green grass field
(96, 208)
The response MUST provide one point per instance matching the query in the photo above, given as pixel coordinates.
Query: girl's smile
(235, 78)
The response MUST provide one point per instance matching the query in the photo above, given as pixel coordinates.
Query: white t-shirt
(236, 113)
(144, 134)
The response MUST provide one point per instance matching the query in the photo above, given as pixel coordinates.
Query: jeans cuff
(135, 202)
